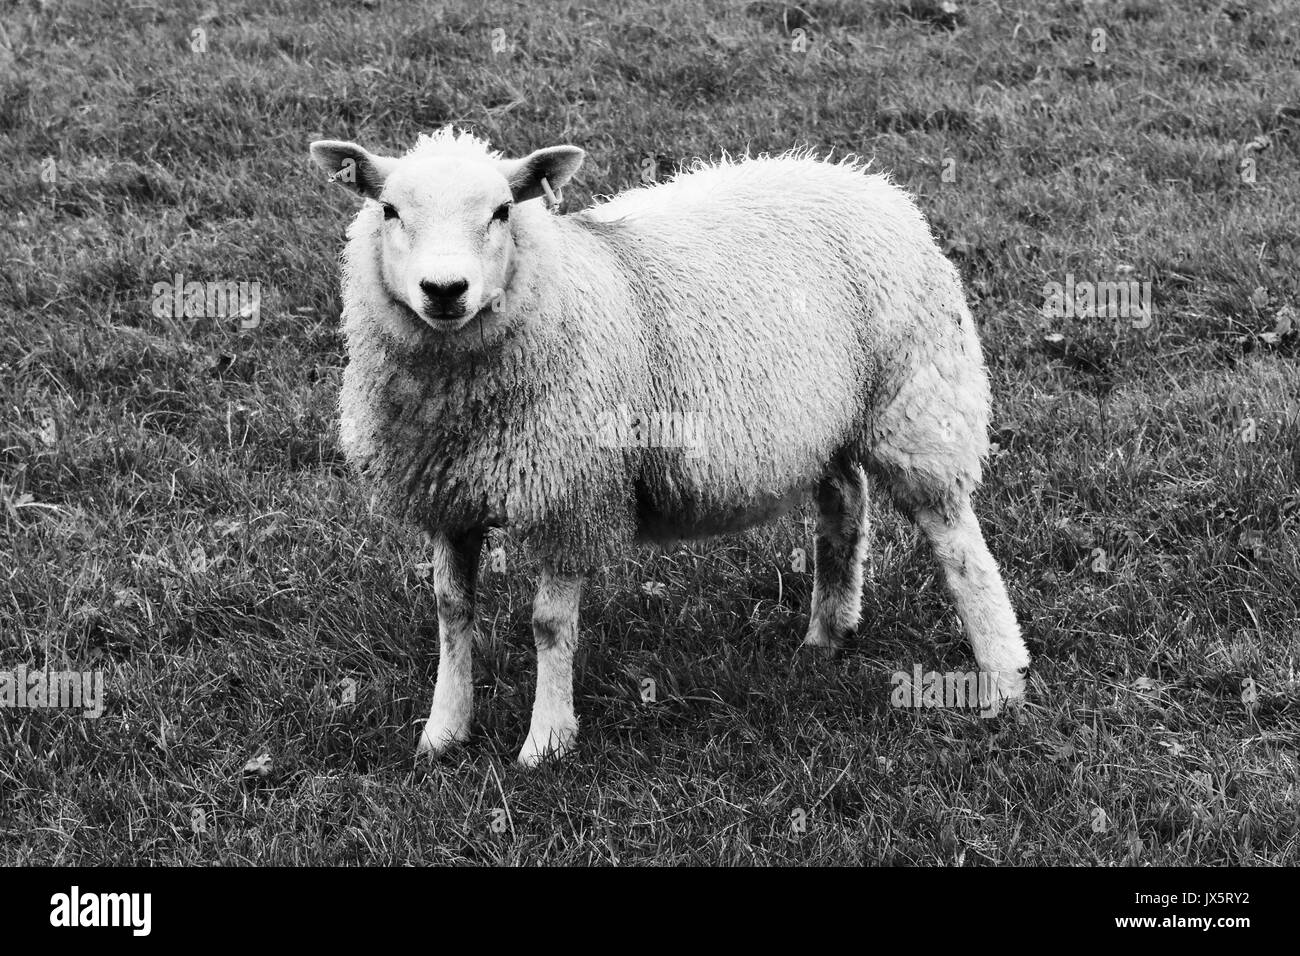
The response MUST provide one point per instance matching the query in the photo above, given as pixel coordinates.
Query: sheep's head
(446, 240)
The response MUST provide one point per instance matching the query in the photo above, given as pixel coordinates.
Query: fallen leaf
(1285, 320)
(258, 767)
(49, 432)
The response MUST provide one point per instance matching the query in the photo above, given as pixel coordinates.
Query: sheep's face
(445, 252)
(445, 236)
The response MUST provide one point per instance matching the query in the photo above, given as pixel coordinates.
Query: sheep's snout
(444, 300)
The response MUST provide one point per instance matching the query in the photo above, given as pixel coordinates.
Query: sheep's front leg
(555, 630)
(455, 570)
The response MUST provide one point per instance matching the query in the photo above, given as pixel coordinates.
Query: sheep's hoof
(822, 638)
(1011, 686)
(435, 741)
(551, 744)
(1008, 693)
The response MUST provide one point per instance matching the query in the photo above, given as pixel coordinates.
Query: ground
(176, 514)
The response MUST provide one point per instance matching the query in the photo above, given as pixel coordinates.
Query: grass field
(176, 514)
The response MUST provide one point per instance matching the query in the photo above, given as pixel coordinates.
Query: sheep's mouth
(439, 323)
(447, 323)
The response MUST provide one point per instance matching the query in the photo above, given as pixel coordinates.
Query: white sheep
(796, 311)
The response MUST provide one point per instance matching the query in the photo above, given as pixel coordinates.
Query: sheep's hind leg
(841, 549)
(927, 449)
(981, 597)
(455, 570)
(554, 727)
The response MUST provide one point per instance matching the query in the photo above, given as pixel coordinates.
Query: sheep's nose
(443, 294)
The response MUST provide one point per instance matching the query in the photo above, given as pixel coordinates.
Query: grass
(176, 513)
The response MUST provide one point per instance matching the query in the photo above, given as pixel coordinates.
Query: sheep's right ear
(352, 166)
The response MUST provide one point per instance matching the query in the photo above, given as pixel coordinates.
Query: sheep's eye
(502, 213)
(390, 211)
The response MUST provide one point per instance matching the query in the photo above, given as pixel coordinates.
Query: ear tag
(553, 199)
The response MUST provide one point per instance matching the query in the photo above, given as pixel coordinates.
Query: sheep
(796, 310)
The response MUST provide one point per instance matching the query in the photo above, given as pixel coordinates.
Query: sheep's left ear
(555, 164)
